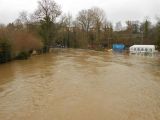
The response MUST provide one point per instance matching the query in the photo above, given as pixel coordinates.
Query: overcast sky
(116, 10)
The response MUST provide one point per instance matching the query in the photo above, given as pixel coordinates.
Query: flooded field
(81, 85)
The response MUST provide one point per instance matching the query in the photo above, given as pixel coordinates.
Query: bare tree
(66, 21)
(107, 33)
(47, 9)
(99, 16)
(46, 14)
(85, 19)
(23, 16)
(91, 20)
(18, 24)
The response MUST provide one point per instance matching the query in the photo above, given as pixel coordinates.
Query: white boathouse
(142, 49)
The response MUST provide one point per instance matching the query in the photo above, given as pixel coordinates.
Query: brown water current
(71, 84)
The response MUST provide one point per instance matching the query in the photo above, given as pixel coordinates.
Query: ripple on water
(81, 85)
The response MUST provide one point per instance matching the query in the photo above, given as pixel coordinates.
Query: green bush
(5, 51)
(23, 55)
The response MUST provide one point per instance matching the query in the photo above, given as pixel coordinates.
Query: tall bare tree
(47, 10)
(85, 19)
(98, 17)
(23, 16)
(46, 14)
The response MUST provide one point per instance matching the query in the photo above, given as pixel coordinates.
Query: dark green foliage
(47, 33)
(146, 28)
(23, 55)
(5, 50)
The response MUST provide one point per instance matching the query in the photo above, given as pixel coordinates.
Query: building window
(146, 49)
(142, 49)
(150, 50)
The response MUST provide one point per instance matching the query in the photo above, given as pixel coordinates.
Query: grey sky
(116, 10)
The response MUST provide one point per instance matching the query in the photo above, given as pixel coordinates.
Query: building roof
(143, 46)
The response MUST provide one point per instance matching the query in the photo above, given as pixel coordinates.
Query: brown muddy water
(81, 85)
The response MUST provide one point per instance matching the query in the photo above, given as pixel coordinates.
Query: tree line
(49, 27)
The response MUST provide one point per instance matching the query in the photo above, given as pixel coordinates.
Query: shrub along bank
(17, 45)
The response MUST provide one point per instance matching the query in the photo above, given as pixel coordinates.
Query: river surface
(73, 84)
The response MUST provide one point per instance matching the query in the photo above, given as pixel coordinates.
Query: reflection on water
(151, 55)
(81, 85)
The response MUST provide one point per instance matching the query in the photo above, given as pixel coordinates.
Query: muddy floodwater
(73, 84)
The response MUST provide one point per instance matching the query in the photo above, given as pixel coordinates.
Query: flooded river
(81, 85)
